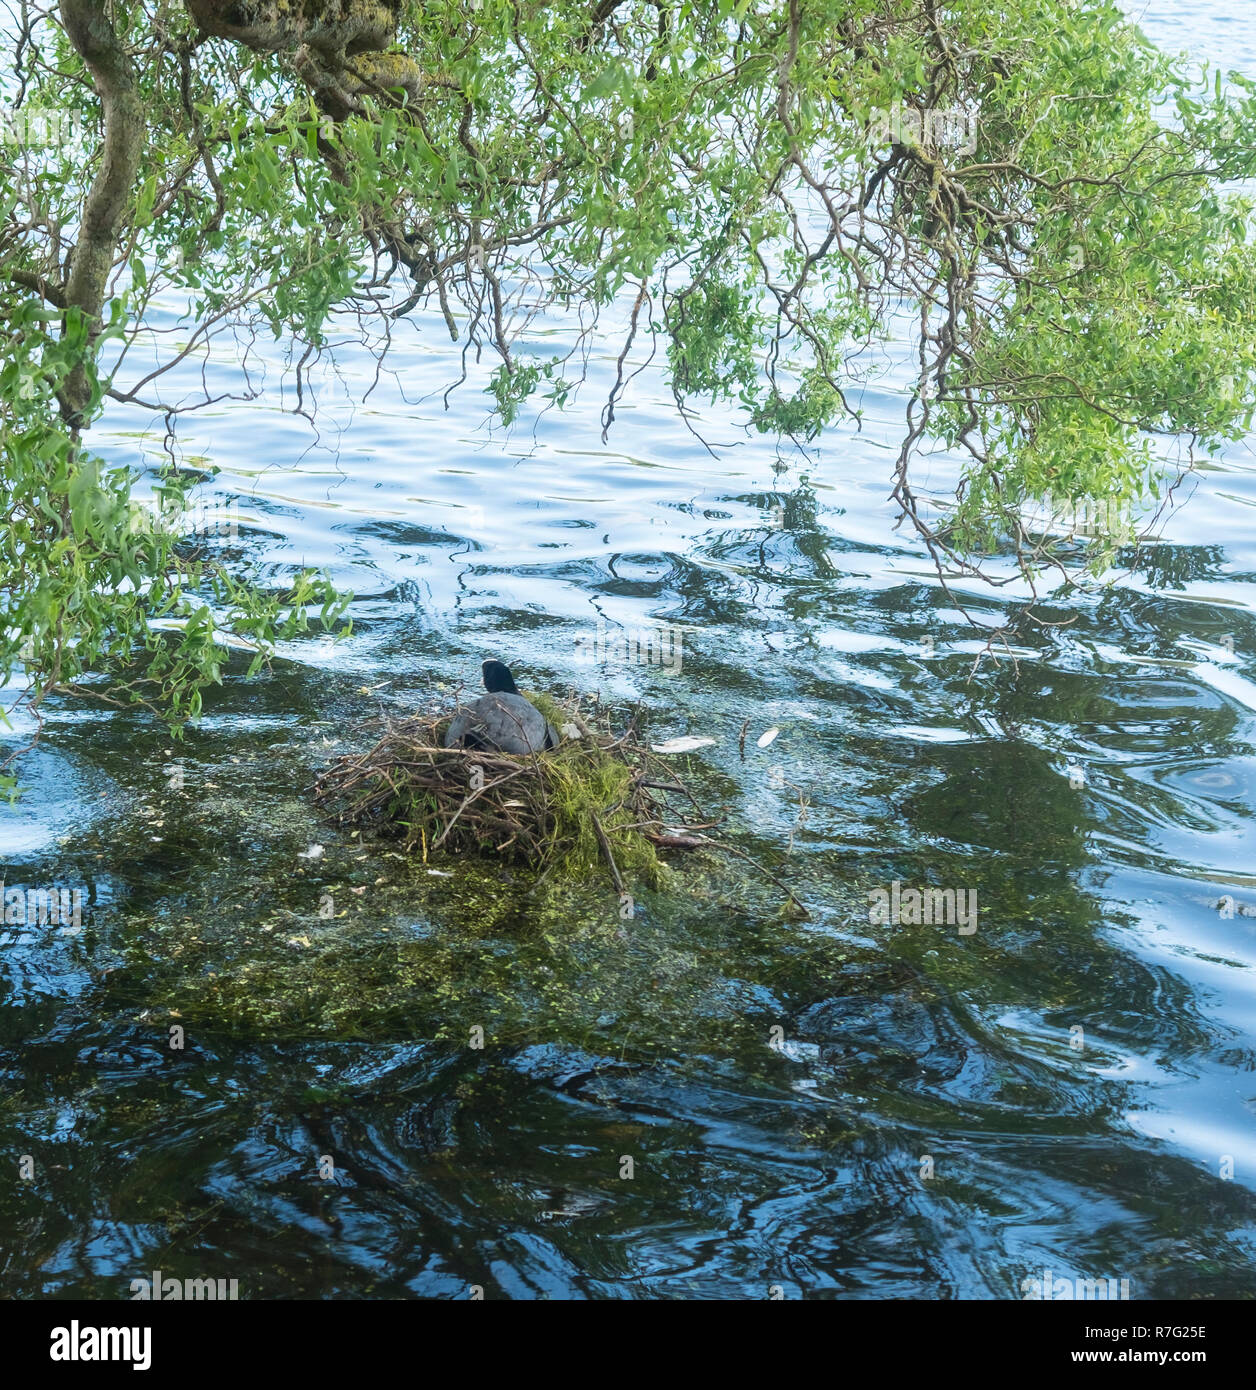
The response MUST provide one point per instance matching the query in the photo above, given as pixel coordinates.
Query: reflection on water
(711, 1099)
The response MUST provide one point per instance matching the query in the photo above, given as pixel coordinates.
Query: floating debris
(682, 745)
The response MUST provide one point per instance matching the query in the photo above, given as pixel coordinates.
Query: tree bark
(108, 201)
(340, 47)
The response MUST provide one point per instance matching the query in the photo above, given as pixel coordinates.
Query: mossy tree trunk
(109, 203)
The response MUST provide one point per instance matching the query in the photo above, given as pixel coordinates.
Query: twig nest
(596, 799)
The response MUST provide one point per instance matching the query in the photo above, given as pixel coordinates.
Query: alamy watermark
(930, 907)
(194, 517)
(156, 1289)
(28, 907)
(38, 128)
(1048, 1289)
(1085, 516)
(648, 646)
(943, 127)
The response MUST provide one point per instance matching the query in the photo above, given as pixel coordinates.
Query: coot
(502, 719)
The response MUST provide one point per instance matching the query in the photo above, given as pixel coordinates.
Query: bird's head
(498, 680)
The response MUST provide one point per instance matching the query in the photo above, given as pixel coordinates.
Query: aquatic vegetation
(596, 800)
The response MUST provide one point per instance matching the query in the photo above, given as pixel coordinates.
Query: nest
(596, 798)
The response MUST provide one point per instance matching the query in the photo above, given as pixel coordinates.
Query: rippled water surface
(1078, 1075)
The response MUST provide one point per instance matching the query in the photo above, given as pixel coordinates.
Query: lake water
(710, 1100)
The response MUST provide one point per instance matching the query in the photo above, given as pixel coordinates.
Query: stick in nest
(595, 798)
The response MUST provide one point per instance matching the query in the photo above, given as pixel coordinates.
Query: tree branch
(107, 204)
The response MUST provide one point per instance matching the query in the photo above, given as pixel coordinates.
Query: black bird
(502, 719)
